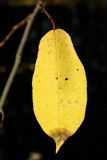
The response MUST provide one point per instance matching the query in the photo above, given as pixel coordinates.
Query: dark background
(21, 134)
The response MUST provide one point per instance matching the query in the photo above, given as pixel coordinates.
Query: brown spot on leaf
(60, 134)
(66, 79)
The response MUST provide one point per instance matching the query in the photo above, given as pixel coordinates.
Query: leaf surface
(59, 87)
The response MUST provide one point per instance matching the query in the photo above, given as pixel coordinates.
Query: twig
(22, 22)
(48, 15)
(14, 29)
(18, 57)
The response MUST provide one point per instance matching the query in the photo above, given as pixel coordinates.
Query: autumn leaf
(59, 87)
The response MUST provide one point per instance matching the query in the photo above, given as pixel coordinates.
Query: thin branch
(14, 29)
(48, 15)
(22, 22)
(18, 57)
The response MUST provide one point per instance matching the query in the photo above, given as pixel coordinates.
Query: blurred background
(86, 22)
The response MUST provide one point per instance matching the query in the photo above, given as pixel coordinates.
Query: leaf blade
(59, 87)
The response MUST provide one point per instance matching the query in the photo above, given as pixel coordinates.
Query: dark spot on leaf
(77, 69)
(60, 134)
(57, 78)
(66, 79)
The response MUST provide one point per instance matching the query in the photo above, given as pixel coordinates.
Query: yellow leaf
(59, 87)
